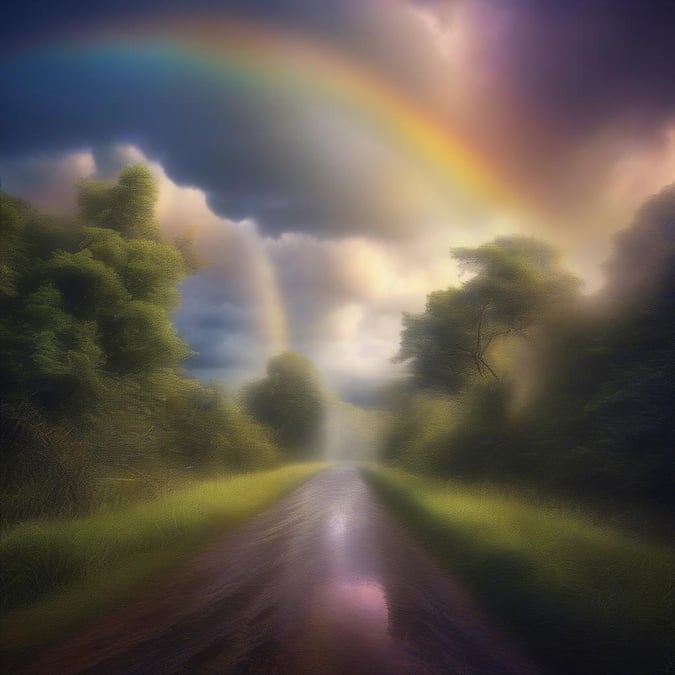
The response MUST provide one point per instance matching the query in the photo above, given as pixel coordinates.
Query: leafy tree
(610, 380)
(628, 409)
(516, 281)
(642, 266)
(85, 284)
(136, 333)
(290, 402)
(81, 302)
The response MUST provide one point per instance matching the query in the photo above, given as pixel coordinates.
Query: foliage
(209, 429)
(127, 207)
(516, 281)
(463, 435)
(90, 361)
(612, 370)
(420, 431)
(641, 267)
(546, 386)
(578, 595)
(289, 401)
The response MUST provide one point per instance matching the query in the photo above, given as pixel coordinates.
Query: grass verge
(57, 575)
(577, 596)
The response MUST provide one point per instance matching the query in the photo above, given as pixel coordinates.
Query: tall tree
(515, 282)
(79, 304)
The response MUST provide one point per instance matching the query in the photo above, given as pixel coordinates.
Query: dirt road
(323, 583)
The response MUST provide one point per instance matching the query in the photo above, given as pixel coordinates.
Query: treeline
(517, 376)
(94, 399)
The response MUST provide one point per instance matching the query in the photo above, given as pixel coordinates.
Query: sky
(327, 155)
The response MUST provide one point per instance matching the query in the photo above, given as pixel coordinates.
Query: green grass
(56, 575)
(578, 596)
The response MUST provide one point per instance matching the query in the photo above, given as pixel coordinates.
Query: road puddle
(345, 621)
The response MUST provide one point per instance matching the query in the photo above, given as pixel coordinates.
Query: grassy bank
(577, 596)
(57, 575)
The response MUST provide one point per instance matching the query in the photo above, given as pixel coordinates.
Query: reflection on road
(324, 583)
(346, 623)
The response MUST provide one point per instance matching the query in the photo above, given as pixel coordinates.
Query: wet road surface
(325, 582)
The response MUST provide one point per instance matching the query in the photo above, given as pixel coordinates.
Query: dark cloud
(224, 136)
(572, 66)
(219, 327)
(220, 136)
(579, 63)
(561, 93)
(32, 19)
(204, 134)
(589, 62)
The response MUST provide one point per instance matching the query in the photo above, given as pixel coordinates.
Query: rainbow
(266, 57)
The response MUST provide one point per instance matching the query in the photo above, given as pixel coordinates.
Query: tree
(128, 206)
(135, 331)
(642, 266)
(81, 305)
(516, 281)
(631, 405)
(207, 430)
(289, 401)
